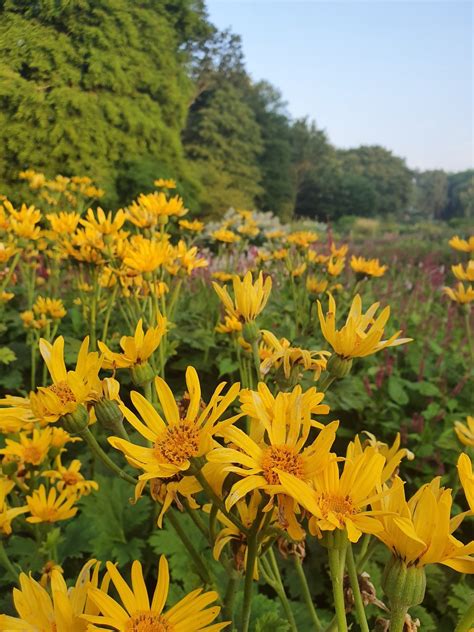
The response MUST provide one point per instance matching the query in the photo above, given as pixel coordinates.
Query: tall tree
(431, 193)
(85, 86)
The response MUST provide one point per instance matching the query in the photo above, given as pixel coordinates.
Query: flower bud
(9, 468)
(250, 332)
(404, 585)
(108, 413)
(141, 374)
(339, 367)
(76, 421)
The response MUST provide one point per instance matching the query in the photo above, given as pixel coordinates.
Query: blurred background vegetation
(125, 92)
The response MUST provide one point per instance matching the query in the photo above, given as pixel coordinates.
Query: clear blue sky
(398, 74)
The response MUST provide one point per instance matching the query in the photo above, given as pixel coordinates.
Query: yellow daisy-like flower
(282, 354)
(464, 274)
(106, 224)
(225, 235)
(221, 276)
(136, 349)
(63, 223)
(184, 435)
(230, 325)
(23, 222)
(249, 298)
(60, 613)
(53, 307)
(460, 294)
(420, 531)
(464, 245)
(194, 226)
(466, 477)
(6, 252)
(250, 229)
(188, 258)
(303, 238)
(140, 614)
(8, 514)
(393, 454)
(70, 480)
(283, 449)
(367, 267)
(361, 335)
(340, 252)
(275, 234)
(338, 501)
(465, 432)
(165, 183)
(145, 255)
(32, 451)
(152, 208)
(50, 507)
(336, 266)
(70, 389)
(315, 285)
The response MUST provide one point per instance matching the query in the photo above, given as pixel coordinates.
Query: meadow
(239, 424)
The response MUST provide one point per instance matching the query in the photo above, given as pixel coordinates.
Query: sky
(397, 74)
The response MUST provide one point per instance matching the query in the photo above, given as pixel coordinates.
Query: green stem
(252, 548)
(326, 380)
(467, 318)
(147, 390)
(91, 441)
(337, 588)
(194, 554)
(230, 594)
(6, 563)
(367, 554)
(109, 313)
(397, 619)
(359, 605)
(467, 620)
(281, 590)
(306, 593)
(256, 360)
(196, 518)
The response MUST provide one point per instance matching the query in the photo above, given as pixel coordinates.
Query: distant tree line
(128, 91)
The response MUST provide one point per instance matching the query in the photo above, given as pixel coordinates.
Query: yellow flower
(50, 507)
(137, 348)
(336, 266)
(188, 258)
(249, 298)
(70, 480)
(229, 325)
(282, 450)
(466, 477)
(420, 531)
(6, 252)
(224, 235)
(337, 501)
(460, 294)
(149, 209)
(106, 224)
(464, 245)
(222, 276)
(15, 414)
(24, 222)
(6, 296)
(393, 455)
(185, 435)
(282, 354)
(52, 307)
(70, 389)
(165, 183)
(6, 514)
(464, 274)
(367, 267)
(194, 226)
(303, 238)
(62, 613)
(32, 451)
(140, 614)
(361, 335)
(250, 229)
(465, 432)
(145, 255)
(275, 234)
(316, 286)
(340, 252)
(59, 438)
(299, 270)
(280, 254)
(63, 223)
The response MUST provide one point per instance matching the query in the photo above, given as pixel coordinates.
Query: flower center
(63, 391)
(342, 506)
(70, 478)
(177, 443)
(147, 622)
(281, 457)
(33, 454)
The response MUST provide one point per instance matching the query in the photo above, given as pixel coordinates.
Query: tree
(389, 175)
(460, 195)
(431, 193)
(85, 86)
(223, 142)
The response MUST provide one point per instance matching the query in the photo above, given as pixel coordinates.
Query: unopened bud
(76, 421)
(250, 332)
(141, 374)
(404, 585)
(108, 413)
(339, 367)
(9, 468)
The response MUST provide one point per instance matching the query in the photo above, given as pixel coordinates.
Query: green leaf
(7, 355)
(227, 365)
(396, 390)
